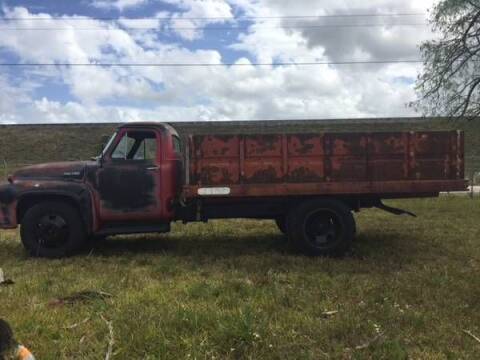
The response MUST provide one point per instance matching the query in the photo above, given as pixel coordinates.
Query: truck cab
(138, 175)
(131, 187)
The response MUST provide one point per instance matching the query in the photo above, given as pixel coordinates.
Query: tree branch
(469, 96)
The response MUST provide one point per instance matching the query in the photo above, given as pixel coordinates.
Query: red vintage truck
(148, 176)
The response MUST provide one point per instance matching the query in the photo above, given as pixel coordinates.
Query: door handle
(153, 168)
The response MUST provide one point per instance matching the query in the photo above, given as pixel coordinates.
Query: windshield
(108, 143)
(136, 145)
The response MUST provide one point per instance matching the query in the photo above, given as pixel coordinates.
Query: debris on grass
(111, 339)
(80, 297)
(73, 326)
(370, 342)
(3, 281)
(329, 313)
(469, 333)
(367, 344)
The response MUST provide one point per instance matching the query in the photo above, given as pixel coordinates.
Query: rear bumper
(8, 206)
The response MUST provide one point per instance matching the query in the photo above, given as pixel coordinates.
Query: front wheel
(321, 227)
(52, 230)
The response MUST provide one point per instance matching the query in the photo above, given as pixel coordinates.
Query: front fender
(78, 194)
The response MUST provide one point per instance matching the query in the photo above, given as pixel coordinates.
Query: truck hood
(55, 170)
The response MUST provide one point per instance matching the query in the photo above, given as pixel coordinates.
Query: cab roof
(150, 124)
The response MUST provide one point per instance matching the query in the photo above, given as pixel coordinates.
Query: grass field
(236, 290)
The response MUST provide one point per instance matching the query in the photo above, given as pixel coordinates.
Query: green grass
(235, 290)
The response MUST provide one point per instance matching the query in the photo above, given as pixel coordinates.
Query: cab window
(136, 145)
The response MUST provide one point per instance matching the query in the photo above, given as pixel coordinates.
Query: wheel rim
(322, 228)
(52, 231)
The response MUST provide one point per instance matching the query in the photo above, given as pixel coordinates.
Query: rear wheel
(52, 230)
(321, 227)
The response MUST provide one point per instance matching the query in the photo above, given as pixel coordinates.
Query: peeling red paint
(396, 161)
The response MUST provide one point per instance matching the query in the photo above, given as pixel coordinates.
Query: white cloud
(214, 93)
(47, 111)
(118, 4)
(187, 22)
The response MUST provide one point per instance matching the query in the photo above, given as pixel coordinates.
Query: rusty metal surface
(383, 189)
(394, 162)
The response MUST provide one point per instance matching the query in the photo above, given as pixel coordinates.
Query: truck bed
(387, 164)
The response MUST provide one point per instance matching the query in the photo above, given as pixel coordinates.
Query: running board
(119, 229)
(393, 210)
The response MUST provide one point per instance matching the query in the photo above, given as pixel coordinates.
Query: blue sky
(205, 31)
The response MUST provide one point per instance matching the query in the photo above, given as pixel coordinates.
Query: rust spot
(387, 143)
(208, 174)
(347, 144)
(221, 152)
(429, 144)
(266, 175)
(305, 145)
(303, 174)
(225, 138)
(348, 168)
(214, 175)
(263, 145)
(217, 145)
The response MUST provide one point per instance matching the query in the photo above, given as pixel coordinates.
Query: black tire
(52, 229)
(281, 224)
(321, 227)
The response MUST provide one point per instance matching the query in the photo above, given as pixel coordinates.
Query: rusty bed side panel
(329, 158)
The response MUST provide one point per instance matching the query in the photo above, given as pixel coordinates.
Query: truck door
(129, 180)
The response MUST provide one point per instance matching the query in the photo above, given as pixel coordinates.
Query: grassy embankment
(234, 289)
(21, 145)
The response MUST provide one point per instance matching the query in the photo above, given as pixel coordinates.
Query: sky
(238, 34)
